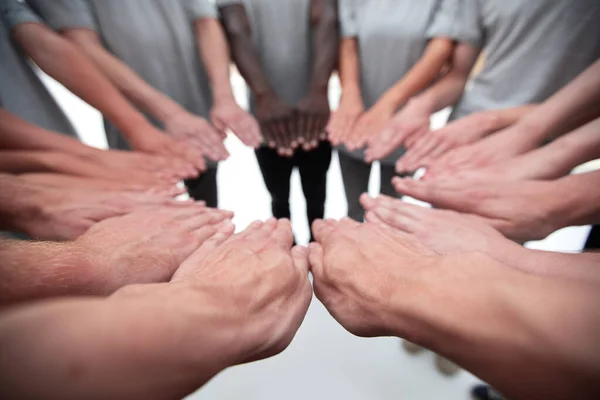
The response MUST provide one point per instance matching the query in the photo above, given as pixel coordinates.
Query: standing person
(171, 59)
(287, 52)
(23, 36)
(532, 48)
(390, 50)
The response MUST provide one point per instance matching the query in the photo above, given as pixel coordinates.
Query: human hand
(260, 285)
(155, 142)
(412, 122)
(364, 273)
(495, 148)
(162, 167)
(342, 120)
(428, 148)
(369, 124)
(196, 132)
(521, 211)
(59, 214)
(277, 123)
(445, 232)
(227, 114)
(146, 246)
(311, 119)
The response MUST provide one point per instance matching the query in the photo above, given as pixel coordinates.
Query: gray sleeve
(198, 9)
(65, 14)
(15, 13)
(458, 20)
(348, 12)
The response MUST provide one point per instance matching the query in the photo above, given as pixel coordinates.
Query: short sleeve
(459, 20)
(65, 14)
(15, 13)
(198, 9)
(348, 14)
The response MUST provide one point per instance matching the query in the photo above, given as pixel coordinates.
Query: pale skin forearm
(18, 162)
(500, 324)
(450, 88)
(18, 134)
(560, 157)
(123, 77)
(574, 102)
(73, 182)
(577, 201)
(214, 50)
(66, 348)
(349, 70)
(437, 55)
(37, 270)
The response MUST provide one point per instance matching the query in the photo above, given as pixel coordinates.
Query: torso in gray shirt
(21, 91)
(533, 48)
(392, 36)
(281, 33)
(156, 38)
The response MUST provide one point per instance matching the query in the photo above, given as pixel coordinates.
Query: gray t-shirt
(392, 36)
(21, 91)
(533, 48)
(281, 33)
(156, 38)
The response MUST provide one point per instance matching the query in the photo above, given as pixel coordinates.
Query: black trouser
(312, 165)
(205, 187)
(593, 240)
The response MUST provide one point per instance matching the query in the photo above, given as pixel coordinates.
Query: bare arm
(176, 119)
(451, 87)
(226, 114)
(325, 47)
(413, 121)
(576, 102)
(421, 75)
(122, 76)
(17, 134)
(275, 117)
(351, 103)
(77, 357)
(64, 62)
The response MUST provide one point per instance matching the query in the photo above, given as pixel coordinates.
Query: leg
(355, 174)
(276, 172)
(313, 166)
(205, 187)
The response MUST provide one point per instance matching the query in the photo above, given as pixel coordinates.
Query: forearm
(18, 134)
(559, 158)
(66, 348)
(63, 61)
(238, 30)
(349, 70)
(498, 324)
(37, 270)
(422, 74)
(325, 46)
(577, 200)
(575, 103)
(74, 182)
(19, 162)
(450, 88)
(214, 50)
(123, 77)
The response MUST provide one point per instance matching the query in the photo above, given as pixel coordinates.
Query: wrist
(421, 105)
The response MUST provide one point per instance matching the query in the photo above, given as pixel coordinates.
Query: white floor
(324, 361)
